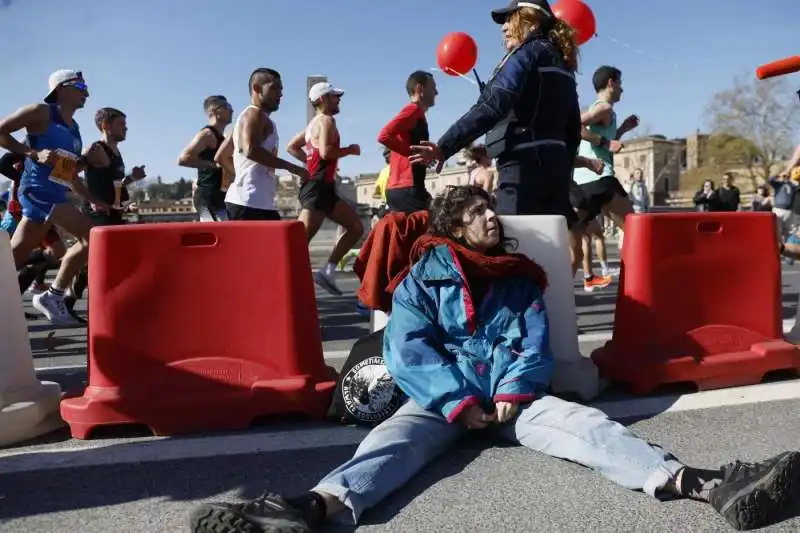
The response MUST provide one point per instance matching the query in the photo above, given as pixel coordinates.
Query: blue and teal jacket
(447, 353)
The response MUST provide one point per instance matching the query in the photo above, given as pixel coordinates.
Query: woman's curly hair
(447, 214)
(558, 32)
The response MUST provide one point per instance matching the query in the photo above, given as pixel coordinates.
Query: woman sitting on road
(467, 341)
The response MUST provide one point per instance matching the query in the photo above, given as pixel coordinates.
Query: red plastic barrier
(197, 327)
(699, 301)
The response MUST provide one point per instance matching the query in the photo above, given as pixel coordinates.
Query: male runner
(601, 192)
(106, 179)
(406, 190)
(251, 196)
(200, 155)
(317, 194)
(600, 139)
(51, 249)
(51, 170)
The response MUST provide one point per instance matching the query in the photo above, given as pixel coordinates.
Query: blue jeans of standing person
(401, 446)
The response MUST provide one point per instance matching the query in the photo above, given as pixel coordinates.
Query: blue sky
(158, 60)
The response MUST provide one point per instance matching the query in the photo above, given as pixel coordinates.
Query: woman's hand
(474, 417)
(505, 411)
(426, 153)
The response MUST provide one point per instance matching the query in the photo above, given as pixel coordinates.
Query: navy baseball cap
(500, 15)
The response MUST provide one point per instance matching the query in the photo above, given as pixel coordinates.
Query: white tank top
(254, 185)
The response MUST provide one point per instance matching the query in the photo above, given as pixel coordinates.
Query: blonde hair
(524, 19)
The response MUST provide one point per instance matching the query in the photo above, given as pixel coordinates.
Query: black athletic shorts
(112, 218)
(241, 212)
(592, 197)
(408, 199)
(535, 183)
(318, 195)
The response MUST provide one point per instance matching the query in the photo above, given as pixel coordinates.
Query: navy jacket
(532, 96)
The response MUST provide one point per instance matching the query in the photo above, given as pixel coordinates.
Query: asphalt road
(132, 482)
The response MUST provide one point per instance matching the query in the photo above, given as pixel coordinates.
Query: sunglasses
(80, 85)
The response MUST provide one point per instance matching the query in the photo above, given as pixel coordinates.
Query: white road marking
(603, 336)
(150, 449)
(752, 394)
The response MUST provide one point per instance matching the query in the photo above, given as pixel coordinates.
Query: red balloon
(457, 53)
(579, 16)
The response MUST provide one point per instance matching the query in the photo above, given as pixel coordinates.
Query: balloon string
(473, 82)
(640, 51)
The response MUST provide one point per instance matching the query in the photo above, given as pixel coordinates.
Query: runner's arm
(79, 187)
(33, 118)
(598, 114)
(402, 123)
(96, 156)
(252, 137)
(224, 155)
(295, 147)
(329, 149)
(190, 155)
(794, 161)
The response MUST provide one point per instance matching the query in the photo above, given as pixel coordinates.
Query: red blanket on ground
(385, 254)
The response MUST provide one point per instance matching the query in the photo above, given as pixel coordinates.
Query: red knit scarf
(477, 267)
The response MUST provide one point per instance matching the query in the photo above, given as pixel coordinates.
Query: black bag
(366, 394)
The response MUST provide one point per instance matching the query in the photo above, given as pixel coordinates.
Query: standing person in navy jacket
(530, 113)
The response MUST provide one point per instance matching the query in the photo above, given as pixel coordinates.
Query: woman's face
(480, 227)
(516, 28)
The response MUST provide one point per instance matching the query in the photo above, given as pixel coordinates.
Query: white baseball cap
(59, 78)
(318, 90)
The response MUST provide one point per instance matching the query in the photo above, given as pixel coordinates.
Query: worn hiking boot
(268, 513)
(754, 495)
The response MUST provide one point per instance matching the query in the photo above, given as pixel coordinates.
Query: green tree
(754, 124)
(181, 189)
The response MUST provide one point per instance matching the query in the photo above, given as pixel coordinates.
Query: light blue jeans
(401, 446)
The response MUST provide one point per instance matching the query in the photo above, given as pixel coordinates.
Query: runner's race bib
(119, 190)
(65, 169)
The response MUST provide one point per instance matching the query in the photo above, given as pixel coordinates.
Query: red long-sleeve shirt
(408, 128)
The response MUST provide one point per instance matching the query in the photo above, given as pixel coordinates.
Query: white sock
(329, 269)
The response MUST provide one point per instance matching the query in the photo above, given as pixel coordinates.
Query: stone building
(696, 150)
(661, 160)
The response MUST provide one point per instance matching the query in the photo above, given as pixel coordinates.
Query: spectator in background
(785, 190)
(480, 172)
(706, 198)
(638, 192)
(729, 197)
(761, 199)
